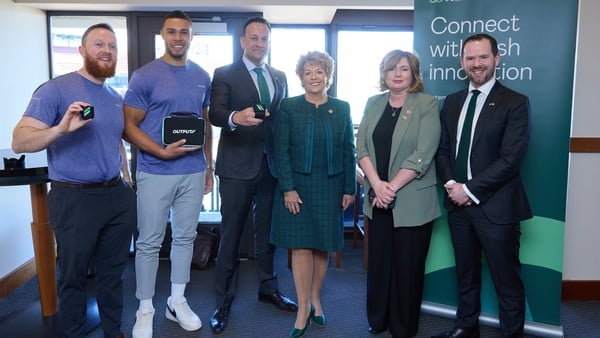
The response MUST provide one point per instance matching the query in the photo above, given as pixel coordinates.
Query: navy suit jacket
(498, 147)
(241, 150)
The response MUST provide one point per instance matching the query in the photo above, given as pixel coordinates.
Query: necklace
(399, 98)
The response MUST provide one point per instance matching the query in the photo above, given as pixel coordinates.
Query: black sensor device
(191, 128)
(259, 111)
(87, 113)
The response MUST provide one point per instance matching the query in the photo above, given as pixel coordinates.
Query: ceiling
(276, 11)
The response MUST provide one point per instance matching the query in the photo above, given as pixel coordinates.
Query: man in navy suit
(245, 166)
(486, 205)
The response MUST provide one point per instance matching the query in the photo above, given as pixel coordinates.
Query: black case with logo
(191, 128)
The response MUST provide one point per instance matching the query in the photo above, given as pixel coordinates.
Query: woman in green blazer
(396, 143)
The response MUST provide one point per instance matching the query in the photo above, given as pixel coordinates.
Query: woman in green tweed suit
(396, 143)
(314, 157)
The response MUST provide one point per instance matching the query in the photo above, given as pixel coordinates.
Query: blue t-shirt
(91, 153)
(161, 89)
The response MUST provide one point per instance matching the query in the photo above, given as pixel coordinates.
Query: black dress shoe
(279, 300)
(374, 331)
(458, 332)
(219, 319)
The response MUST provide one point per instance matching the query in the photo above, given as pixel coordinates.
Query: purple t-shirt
(91, 153)
(161, 89)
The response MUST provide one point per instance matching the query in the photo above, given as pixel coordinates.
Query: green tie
(462, 157)
(263, 88)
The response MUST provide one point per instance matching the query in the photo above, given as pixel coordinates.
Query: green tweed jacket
(293, 133)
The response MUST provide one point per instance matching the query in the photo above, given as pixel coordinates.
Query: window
(210, 50)
(288, 44)
(359, 56)
(65, 39)
(356, 39)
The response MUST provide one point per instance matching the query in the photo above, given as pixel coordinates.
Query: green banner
(536, 40)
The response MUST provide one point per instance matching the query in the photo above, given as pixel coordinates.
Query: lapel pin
(492, 104)
(330, 111)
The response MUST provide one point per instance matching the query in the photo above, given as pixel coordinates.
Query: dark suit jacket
(497, 151)
(241, 150)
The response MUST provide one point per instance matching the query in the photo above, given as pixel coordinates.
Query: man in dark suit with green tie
(245, 166)
(485, 196)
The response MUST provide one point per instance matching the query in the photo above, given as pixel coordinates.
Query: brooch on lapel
(492, 104)
(405, 116)
(330, 111)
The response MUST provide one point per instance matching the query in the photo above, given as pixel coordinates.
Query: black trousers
(238, 198)
(472, 232)
(396, 274)
(92, 226)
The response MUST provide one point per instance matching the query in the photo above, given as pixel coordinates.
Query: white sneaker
(179, 311)
(143, 324)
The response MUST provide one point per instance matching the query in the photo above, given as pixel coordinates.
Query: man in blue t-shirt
(91, 210)
(170, 178)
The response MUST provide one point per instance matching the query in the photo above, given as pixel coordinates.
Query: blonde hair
(317, 58)
(391, 59)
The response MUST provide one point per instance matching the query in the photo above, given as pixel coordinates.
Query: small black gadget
(371, 195)
(259, 111)
(189, 127)
(87, 112)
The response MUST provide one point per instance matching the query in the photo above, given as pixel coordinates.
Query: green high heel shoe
(319, 320)
(295, 333)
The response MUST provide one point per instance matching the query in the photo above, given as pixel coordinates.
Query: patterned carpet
(343, 298)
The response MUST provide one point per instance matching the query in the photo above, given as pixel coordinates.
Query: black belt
(94, 185)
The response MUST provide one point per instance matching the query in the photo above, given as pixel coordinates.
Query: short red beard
(95, 69)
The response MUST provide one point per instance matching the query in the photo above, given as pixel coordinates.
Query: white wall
(24, 66)
(582, 235)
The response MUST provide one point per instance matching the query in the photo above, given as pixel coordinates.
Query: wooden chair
(364, 229)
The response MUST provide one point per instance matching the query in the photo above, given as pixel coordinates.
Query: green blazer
(414, 143)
